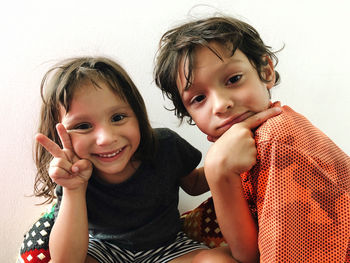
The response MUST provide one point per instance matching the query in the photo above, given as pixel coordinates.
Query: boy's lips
(233, 120)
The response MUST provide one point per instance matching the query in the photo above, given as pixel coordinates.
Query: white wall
(314, 66)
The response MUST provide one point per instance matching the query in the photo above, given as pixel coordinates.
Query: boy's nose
(221, 102)
(104, 136)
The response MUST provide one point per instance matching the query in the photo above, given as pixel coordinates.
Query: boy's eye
(117, 117)
(198, 99)
(82, 126)
(233, 79)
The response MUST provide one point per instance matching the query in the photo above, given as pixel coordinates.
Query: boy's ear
(269, 72)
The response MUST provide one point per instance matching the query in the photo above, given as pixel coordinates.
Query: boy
(293, 204)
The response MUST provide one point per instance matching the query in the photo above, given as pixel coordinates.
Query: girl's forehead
(92, 85)
(92, 90)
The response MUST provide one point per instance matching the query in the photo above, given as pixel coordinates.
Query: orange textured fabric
(299, 192)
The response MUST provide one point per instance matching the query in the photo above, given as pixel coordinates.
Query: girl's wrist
(76, 191)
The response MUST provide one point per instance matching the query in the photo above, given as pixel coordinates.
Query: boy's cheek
(211, 136)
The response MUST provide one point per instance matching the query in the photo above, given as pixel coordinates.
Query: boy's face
(223, 92)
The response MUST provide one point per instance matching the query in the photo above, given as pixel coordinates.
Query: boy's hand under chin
(235, 151)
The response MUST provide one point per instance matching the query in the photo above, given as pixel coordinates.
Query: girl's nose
(221, 102)
(104, 136)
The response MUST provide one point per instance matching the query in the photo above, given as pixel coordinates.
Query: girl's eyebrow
(71, 120)
(83, 117)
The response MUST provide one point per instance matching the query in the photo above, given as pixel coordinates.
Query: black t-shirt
(142, 212)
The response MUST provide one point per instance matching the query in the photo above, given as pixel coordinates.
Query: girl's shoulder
(166, 135)
(172, 145)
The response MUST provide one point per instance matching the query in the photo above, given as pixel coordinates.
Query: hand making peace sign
(66, 168)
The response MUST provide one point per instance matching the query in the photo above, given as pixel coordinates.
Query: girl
(116, 178)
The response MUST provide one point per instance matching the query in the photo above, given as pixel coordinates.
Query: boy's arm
(235, 220)
(304, 212)
(232, 154)
(195, 183)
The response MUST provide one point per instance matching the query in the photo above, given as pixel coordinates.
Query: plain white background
(314, 66)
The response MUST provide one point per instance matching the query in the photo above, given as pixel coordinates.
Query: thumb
(81, 165)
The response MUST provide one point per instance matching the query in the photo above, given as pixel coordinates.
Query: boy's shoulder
(291, 130)
(289, 124)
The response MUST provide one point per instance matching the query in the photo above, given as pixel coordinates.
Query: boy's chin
(212, 138)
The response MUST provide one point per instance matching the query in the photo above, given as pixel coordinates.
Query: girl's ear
(268, 72)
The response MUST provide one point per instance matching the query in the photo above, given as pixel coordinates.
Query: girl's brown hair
(180, 42)
(57, 88)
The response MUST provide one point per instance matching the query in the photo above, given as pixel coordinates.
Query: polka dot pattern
(299, 192)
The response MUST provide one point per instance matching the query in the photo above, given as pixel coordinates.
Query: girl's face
(224, 92)
(104, 130)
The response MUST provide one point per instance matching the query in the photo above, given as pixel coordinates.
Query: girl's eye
(233, 79)
(82, 126)
(118, 117)
(198, 99)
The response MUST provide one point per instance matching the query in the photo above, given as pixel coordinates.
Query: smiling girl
(116, 178)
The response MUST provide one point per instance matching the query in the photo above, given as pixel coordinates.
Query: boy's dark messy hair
(180, 42)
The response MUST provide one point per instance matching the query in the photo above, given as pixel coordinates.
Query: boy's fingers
(257, 119)
(64, 137)
(253, 121)
(50, 146)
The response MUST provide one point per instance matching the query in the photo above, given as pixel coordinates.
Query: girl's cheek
(79, 146)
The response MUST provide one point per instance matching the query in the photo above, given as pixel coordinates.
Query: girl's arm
(195, 183)
(69, 236)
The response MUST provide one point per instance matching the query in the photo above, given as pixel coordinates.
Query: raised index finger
(257, 119)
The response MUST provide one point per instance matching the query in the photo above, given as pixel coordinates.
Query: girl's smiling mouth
(109, 156)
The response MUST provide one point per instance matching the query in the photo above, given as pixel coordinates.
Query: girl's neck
(121, 177)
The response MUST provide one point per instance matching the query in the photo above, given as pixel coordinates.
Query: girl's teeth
(109, 155)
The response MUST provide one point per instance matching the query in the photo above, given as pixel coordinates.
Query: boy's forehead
(218, 51)
(209, 65)
(182, 74)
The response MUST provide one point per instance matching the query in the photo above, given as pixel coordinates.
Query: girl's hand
(235, 151)
(66, 168)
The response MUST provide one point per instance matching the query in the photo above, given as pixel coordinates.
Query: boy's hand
(255, 120)
(235, 151)
(66, 168)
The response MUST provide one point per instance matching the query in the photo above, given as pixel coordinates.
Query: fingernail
(75, 169)
(278, 109)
